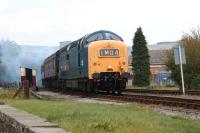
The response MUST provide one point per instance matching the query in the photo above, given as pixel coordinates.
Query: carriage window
(67, 57)
(95, 37)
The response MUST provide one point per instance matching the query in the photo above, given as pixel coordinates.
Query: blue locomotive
(97, 61)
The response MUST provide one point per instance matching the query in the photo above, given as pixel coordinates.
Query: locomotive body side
(70, 59)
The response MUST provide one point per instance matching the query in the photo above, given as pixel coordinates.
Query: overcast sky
(47, 22)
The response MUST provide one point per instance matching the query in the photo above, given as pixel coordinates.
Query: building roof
(157, 52)
(157, 56)
(162, 46)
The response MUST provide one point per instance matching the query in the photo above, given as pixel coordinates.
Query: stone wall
(9, 125)
(13, 120)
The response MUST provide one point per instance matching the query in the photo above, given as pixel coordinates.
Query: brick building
(157, 53)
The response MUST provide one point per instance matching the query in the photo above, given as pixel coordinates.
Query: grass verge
(100, 118)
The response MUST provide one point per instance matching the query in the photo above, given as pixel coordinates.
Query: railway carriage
(49, 71)
(95, 62)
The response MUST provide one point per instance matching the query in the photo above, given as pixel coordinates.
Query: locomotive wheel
(107, 91)
(116, 86)
(86, 88)
(119, 92)
(94, 87)
(90, 88)
(121, 87)
(113, 92)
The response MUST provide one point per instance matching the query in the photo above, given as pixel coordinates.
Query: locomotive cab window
(93, 38)
(100, 35)
(110, 36)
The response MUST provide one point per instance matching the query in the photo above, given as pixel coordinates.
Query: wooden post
(26, 89)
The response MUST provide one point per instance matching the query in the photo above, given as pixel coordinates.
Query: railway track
(172, 101)
(170, 92)
(158, 100)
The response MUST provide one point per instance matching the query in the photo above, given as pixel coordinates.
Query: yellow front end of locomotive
(107, 56)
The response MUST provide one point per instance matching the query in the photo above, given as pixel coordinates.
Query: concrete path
(32, 122)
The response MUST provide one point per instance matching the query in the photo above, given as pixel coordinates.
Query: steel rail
(158, 100)
(171, 92)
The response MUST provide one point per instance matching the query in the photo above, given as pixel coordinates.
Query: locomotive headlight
(122, 67)
(109, 67)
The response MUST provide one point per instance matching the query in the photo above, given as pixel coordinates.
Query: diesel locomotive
(95, 62)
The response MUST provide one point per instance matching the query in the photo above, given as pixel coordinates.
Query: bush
(196, 83)
(191, 43)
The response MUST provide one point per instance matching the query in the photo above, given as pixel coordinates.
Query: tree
(191, 43)
(140, 60)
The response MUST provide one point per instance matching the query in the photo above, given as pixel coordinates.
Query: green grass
(8, 93)
(101, 118)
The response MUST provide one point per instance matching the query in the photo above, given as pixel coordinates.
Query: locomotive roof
(103, 32)
(89, 35)
(51, 56)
